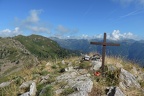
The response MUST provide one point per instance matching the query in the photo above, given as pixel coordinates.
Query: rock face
(128, 80)
(82, 83)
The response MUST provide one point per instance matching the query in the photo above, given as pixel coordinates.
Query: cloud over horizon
(33, 24)
(117, 35)
(10, 33)
(63, 31)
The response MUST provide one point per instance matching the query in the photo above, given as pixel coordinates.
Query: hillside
(43, 47)
(27, 51)
(74, 77)
(14, 56)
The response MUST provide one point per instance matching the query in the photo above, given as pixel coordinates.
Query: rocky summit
(38, 66)
(75, 76)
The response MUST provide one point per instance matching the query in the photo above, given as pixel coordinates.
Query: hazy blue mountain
(128, 49)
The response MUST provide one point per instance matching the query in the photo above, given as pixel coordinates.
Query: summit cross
(104, 44)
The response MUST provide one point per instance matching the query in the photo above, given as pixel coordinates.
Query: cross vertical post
(104, 43)
(103, 52)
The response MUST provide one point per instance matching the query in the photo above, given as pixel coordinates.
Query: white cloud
(84, 36)
(128, 2)
(10, 33)
(116, 35)
(38, 29)
(62, 29)
(33, 18)
(32, 23)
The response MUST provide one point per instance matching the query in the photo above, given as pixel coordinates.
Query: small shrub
(44, 72)
(53, 67)
(84, 65)
(112, 77)
(142, 83)
(51, 79)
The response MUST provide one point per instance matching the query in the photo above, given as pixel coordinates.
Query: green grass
(67, 91)
(43, 47)
(48, 90)
(85, 65)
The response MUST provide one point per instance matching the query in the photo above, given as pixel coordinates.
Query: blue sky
(73, 18)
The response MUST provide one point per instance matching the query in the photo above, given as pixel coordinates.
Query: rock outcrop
(128, 80)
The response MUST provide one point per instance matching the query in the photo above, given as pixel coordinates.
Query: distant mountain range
(128, 49)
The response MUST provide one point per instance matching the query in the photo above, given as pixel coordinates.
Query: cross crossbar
(104, 43)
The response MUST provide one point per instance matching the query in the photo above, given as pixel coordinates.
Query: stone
(119, 65)
(59, 91)
(25, 94)
(82, 71)
(84, 86)
(70, 64)
(134, 71)
(44, 79)
(48, 64)
(118, 92)
(111, 68)
(81, 83)
(128, 79)
(66, 76)
(115, 91)
(4, 84)
(122, 85)
(25, 84)
(86, 57)
(140, 76)
(96, 65)
(63, 62)
(33, 89)
(69, 69)
(80, 93)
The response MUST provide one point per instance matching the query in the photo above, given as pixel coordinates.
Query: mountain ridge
(125, 50)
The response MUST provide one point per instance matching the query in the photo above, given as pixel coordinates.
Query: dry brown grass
(98, 87)
(120, 62)
(97, 90)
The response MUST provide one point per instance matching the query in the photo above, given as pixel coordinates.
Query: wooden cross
(104, 43)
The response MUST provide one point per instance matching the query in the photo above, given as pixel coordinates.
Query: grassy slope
(42, 47)
(13, 55)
